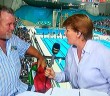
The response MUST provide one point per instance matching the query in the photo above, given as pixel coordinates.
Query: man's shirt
(10, 66)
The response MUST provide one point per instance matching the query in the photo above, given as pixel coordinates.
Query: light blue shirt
(10, 67)
(93, 70)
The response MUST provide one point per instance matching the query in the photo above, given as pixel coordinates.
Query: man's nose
(12, 27)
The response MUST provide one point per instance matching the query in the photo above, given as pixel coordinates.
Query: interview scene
(54, 48)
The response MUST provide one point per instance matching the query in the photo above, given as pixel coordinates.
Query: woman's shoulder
(101, 47)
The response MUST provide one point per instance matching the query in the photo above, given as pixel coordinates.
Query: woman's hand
(49, 72)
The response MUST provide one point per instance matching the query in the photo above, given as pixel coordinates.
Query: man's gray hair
(6, 9)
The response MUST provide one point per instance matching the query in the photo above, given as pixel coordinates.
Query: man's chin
(8, 37)
(5, 37)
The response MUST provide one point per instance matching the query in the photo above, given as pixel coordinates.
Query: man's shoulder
(14, 37)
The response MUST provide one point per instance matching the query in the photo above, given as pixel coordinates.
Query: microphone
(55, 50)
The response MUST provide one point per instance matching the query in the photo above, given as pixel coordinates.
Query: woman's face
(71, 35)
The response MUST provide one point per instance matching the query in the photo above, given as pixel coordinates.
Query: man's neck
(2, 41)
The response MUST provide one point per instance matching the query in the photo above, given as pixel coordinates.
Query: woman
(87, 61)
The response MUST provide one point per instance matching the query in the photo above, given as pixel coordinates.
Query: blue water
(47, 31)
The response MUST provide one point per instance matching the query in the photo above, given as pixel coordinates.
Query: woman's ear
(79, 34)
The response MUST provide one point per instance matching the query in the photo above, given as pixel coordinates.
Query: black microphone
(55, 50)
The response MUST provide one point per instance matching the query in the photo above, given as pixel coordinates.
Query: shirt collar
(88, 46)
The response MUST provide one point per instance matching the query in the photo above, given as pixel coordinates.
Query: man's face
(7, 25)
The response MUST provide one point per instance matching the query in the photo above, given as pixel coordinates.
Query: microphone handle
(50, 65)
(52, 61)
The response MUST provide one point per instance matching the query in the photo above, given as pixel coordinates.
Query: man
(12, 48)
